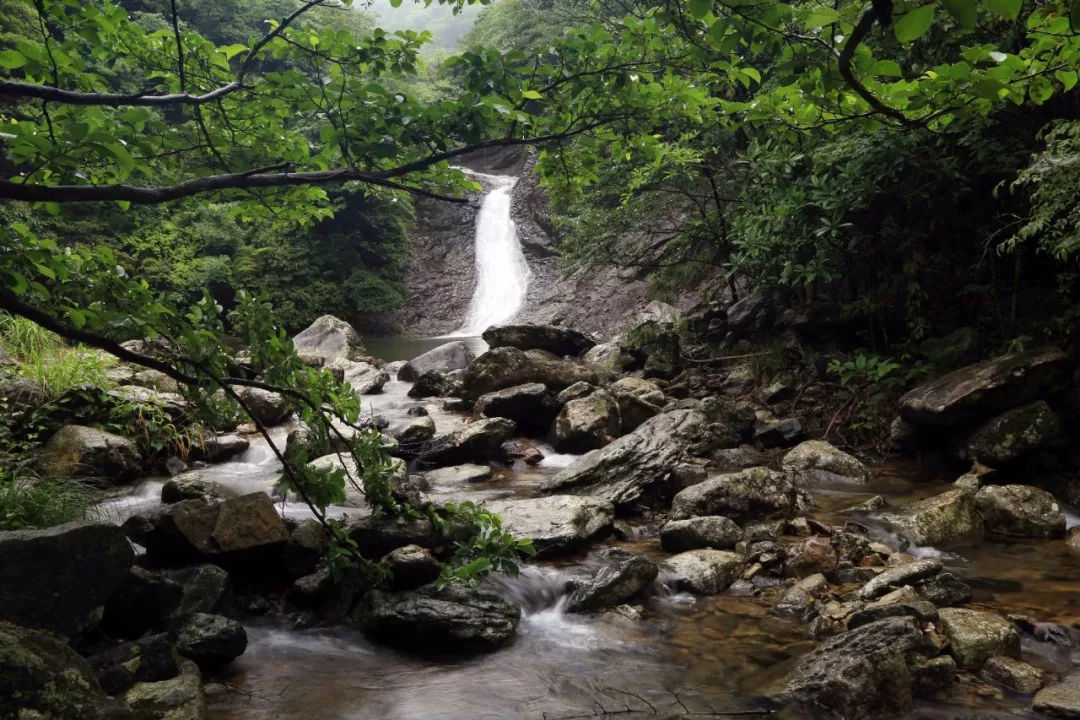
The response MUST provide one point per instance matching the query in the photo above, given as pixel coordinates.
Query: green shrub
(46, 359)
(28, 501)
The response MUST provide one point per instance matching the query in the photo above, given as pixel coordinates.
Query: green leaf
(1067, 78)
(821, 17)
(699, 8)
(914, 23)
(1005, 8)
(531, 95)
(395, 3)
(11, 59)
(888, 68)
(1074, 15)
(965, 12)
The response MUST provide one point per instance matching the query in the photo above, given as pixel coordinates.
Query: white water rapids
(502, 274)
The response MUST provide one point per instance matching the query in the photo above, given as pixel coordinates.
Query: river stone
(948, 519)
(191, 485)
(429, 619)
(507, 366)
(80, 451)
(587, 423)
(898, 576)
(527, 405)
(179, 698)
(1016, 675)
(944, 590)
(364, 378)
(860, 673)
(205, 588)
(818, 462)
(432, 384)
(267, 408)
(575, 391)
(622, 577)
(210, 640)
(639, 467)
(733, 420)
(526, 452)
(329, 338)
(454, 355)
(638, 401)
(753, 494)
(142, 602)
(976, 636)
(709, 531)
(780, 433)
(412, 434)
(556, 524)
(58, 578)
(609, 356)
(1013, 434)
(814, 555)
(42, 677)
(704, 572)
(377, 535)
(155, 380)
(1020, 510)
(411, 566)
(478, 441)
(978, 391)
(21, 393)
(219, 447)
(1061, 700)
(555, 340)
(457, 476)
(149, 659)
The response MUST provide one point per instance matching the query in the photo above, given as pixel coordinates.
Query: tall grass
(29, 501)
(45, 358)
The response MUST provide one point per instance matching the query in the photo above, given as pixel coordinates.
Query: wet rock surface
(752, 494)
(556, 340)
(556, 524)
(80, 451)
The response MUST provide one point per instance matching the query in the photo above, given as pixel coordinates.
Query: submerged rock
(1016, 675)
(1020, 510)
(950, 518)
(556, 340)
(818, 462)
(446, 358)
(586, 423)
(1061, 700)
(976, 636)
(58, 578)
(555, 524)
(748, 495)
(428, 619)
(637, 468)
(80, 451)
(1013, 434)
(622, 577)
(480, 440)
(709, 531)
(329, 338)
(704, 572)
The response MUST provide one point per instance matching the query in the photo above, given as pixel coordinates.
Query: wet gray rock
(329, 338)
(520, 450)
(57, 578)
(210, 640)
(457, 475)
(1016, 675)
(944, 589)
(898, 576)
(217, 448)
(149, 659)
(586, 423)
(709, 531)
(178, 698)
(704, 572)
(799, 602)
(860, 673)
(944, 520)
(155, 380)
(556, 524)
(1061, 700)
(411, 566)
(412, 434)
(454, 355)
(477, 441)
(431, 620)
(204, 588)
(814, 555)
(375, 536)
(622, 577)
(609, 356)
(976, 636)
(191, 485)
(528, 405)
(310, 591)
(978, 391)
(555, 340)
(575, 391)
(1013, 434)
(363, 377)
(748, 495)
(738, 458)
(80, 451)
(780, 433)
(268, 408)
(818, 462)
(638, 401)
(507, 366)
(432, 384)
(1020, 510)
(22, 393)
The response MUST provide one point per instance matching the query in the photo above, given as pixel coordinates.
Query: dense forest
(819, 462)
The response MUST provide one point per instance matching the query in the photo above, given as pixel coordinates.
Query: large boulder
(80, 451)
(527, 405)
(507, 366)
(434, 620)
(638, 401)
(411, 566)
(266, 407)
(1061, 700)
(709, 531)
(178, 698)
(950, 518)
(59, 578)
(978, 391)
(328, 338)
(586, 423)
(446, 358)
(556, 340)
(238, 531)
(555, 524)
(210, 640)
(609, 356)
(819, 463)
(1020, 510)
(149, 659)
(976, 636)
(216, 448)
(364, 378)
(860, 673)
(193, 484)
(638, 468)
(622, 577)
(142, 602)
(42, 677)
(478, 441)
(753, 494)
(704, 572)
(1014, 433)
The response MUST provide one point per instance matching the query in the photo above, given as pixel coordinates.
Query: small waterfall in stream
(502, 274)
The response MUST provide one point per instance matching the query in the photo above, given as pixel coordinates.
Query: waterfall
(502, 275)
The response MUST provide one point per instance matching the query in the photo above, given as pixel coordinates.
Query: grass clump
(29, 501)
(46, 359)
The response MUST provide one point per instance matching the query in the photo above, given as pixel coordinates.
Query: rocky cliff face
(441, 275)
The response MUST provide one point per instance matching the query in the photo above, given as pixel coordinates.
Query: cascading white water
(502, 274)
